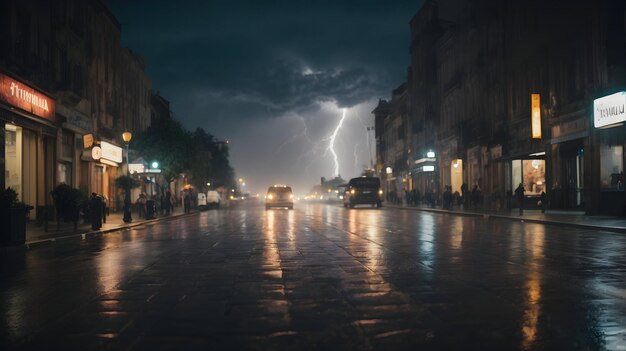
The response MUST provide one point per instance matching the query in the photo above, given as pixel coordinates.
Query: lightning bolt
(296, 137)
(331, 144)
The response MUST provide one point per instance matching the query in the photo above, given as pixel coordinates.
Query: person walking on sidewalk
(141, 204)
(519, 196)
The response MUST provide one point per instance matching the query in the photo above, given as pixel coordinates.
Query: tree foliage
(210, 161)
(197, 154)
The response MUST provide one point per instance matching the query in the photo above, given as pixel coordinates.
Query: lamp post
(126, 136)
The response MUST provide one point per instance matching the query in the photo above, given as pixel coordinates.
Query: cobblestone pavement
(319, 277)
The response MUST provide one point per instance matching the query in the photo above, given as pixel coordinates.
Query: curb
(93, 233)
(513, 218)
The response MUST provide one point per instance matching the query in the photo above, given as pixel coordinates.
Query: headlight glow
(380, 192)
(352, 191)
(270, 196)
(291, 196)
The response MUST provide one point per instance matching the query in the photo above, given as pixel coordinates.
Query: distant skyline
(273, 78)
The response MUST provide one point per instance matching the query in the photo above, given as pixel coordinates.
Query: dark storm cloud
(272, 76)
(269, 57)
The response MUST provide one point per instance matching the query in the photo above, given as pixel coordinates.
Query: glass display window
(611, 167)
(13, 158)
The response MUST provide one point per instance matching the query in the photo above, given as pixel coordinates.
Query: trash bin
(13, 226)
(150, 209)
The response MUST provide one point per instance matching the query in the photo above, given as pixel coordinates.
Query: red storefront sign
(20, 95)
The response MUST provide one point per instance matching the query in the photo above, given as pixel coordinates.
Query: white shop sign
(609, 110)
(111, 152)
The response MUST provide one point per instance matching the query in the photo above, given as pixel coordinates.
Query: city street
(319, 277)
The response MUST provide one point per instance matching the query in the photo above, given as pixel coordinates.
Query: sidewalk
(36, 235)
(556, 217)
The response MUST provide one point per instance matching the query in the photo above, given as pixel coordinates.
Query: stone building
(66, 55)
(473, 74)
(392, 144)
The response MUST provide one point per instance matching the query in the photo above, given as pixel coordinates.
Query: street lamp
(126, 136)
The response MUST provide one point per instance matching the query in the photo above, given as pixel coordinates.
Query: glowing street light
(127, 136)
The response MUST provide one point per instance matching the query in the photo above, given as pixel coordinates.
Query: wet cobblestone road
(320, 277)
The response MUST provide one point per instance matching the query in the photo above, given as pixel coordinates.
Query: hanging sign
(87, 141)
(535, 105)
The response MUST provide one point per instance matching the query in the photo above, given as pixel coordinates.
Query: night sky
(273, 76)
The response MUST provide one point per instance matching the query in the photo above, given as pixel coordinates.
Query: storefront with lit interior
(104, 159)
(424, 172)
(607, 195)
(29, 132)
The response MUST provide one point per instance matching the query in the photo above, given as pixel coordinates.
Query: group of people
(167, 203)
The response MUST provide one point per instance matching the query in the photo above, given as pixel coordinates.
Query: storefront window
(534, 174)
(516, 174)
(65, 173)
(611, 167)
(531, 173)
(13, 158)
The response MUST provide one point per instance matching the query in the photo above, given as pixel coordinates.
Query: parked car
(279, 196)
(363, 191)
(213, 199)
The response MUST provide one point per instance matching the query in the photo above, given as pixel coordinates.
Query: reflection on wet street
(320, 276)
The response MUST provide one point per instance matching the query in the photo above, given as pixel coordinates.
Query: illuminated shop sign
(609, 110)
(111, 152)
(535, 102)
(22, 96)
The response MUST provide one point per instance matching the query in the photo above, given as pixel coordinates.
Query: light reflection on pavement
(320, 276)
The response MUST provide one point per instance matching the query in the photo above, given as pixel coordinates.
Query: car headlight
(352, 191)
(270, 196)
(380, 192)
(291, 196)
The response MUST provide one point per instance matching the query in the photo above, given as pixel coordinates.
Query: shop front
(609, 117)
(567, 162)
(530, 171)
(423, 172)
(103, 162)
(29, 132)
(71, 169)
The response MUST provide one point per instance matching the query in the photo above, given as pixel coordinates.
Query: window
(611, 167)
(65, 173)
(13, 158)
(532, 175)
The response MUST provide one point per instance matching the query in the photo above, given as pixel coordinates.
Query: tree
(210, 161)
(167, 142)
(197, 154)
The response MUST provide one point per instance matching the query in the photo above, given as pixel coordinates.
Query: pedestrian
(186, 201)
(447, 198)
(416, 197)
(168, 201)
(475, 196)
(96, 209)
(141, 205)
(519, 196)
(105, 208)
(464, 195)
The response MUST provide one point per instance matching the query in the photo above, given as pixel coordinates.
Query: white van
(213, 199)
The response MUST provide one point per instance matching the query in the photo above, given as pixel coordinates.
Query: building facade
(67, 86)
(502, 93)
